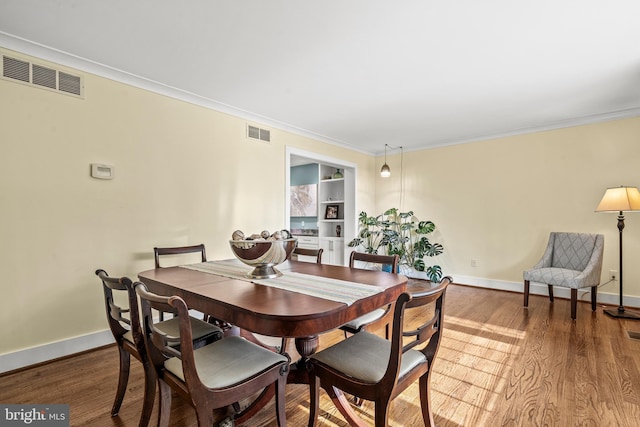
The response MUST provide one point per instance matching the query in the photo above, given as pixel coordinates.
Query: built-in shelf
(335, 200)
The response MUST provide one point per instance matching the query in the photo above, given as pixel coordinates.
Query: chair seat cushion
(361, 321)
(228, 362)
(199, 328)
(556, 277)
(365, 356)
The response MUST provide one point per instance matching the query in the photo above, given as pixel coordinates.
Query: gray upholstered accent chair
(214, 376)
(572, 260)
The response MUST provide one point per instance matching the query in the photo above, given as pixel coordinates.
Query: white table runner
(322, 287)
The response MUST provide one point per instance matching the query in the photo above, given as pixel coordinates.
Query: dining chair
(375, 369)
(179, 250)
(360, 323)
(213, 376)
(182, 250)
(124, 322)
(315, 253)
(571, 260)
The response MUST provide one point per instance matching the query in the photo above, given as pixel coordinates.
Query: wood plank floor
(499, 365)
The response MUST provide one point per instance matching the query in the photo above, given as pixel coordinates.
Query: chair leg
(574, 303)
(281, 409)
(314, 399)
(550, 293)
(340, 401)
(425, 401)
(123, 379)
(150, 381)
(164, 404)
(204, 414)
(526, 293)
(594, 297)
(382, 413)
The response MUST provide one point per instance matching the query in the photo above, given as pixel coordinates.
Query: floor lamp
(620, 199)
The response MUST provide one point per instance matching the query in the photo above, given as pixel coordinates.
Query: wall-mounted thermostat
(101, 171)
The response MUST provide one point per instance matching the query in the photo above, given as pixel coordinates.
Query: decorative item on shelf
(331, 212)
(263, 253)
(385, 171)
(337, 174)
(620, 199)
(399, 233)
(338, 230)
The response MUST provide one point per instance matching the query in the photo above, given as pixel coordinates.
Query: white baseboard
(43, 353)
(31, 356)
(542, 289)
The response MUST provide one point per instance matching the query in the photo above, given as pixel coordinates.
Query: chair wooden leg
(425, 401)
(281, 409)
(526, 293)
(574, 303)
(340, 401)
(594, 297)
(550, 293)
(382, 413)
(164, 404)
(204, 414)
(123, 379)
(150, 381)
(314, 399)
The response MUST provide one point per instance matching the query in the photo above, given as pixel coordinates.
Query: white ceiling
(358, 73)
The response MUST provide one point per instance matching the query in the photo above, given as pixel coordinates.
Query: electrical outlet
(613, 275)
(474, 263)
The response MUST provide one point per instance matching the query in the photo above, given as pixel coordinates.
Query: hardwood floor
(499, 365)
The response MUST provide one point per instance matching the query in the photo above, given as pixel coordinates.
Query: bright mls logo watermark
(35, 415)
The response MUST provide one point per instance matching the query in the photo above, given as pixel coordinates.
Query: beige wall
(183, 175)
(496, 201)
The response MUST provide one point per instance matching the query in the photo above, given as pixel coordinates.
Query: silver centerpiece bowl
(263, 255)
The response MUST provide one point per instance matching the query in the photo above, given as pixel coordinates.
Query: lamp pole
(620, 311)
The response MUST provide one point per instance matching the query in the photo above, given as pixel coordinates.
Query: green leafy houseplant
(399, 233)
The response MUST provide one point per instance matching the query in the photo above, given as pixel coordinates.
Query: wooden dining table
(276, 312)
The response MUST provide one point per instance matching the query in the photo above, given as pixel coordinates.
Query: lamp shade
(619, 199)
(385, 171)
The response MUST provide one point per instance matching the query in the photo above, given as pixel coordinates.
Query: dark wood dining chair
(179, 250)
(360, 323)
(314, 253)
(124, 322)
(182, 250)
(372, 368)
(214, 376)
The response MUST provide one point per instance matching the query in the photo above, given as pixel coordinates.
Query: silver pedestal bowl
(263, 255)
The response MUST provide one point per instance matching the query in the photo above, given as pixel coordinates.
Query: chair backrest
(317, 253)
(391, 261)
(160, 346)
(573, 251)
(424, 337)
(179, 250)
(122, 319)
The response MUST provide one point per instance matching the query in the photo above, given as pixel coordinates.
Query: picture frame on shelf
(331, 212)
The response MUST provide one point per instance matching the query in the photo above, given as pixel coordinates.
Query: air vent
(255, 132)
(15, 69)
(40, 76)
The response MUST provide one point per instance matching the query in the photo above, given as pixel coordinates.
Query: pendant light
(385, 172)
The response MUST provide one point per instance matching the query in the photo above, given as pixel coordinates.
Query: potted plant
(400, 233)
